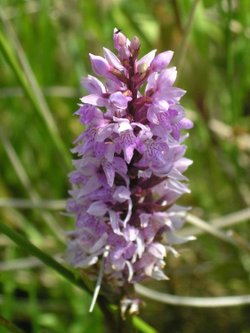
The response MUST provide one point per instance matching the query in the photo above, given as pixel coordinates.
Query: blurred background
(43, 55)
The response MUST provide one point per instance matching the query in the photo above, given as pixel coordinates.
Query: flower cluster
(129, 173)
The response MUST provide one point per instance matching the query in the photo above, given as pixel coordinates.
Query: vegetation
(44, 52)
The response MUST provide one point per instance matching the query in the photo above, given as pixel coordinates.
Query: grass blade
(32, 204)
(45, 258)
(184, 42)
(34, 94)
(24, 179)
(200, 302)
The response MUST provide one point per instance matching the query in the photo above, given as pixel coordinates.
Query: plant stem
(111, 324)
(125, 325)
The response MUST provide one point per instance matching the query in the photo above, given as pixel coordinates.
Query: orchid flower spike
(129, 168)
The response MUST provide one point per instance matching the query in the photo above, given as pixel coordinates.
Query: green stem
(45, 258)
(108, 314)
(142, 326)
(127, 325)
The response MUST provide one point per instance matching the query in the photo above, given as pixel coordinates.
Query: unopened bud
(135, 44)
(99, 65)
(119, 38)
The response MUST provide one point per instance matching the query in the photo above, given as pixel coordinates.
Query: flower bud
(119, 38)
(100, 65)
(135, 44)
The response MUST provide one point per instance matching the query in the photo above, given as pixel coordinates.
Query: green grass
(44, 48)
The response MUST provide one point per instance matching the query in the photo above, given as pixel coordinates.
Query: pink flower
(130, 165)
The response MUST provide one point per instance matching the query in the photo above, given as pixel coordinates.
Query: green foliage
(44, 52)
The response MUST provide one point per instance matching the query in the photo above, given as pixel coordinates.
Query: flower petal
(93, 85)
(112, 59)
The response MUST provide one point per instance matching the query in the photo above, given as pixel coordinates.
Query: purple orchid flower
(129, 171)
